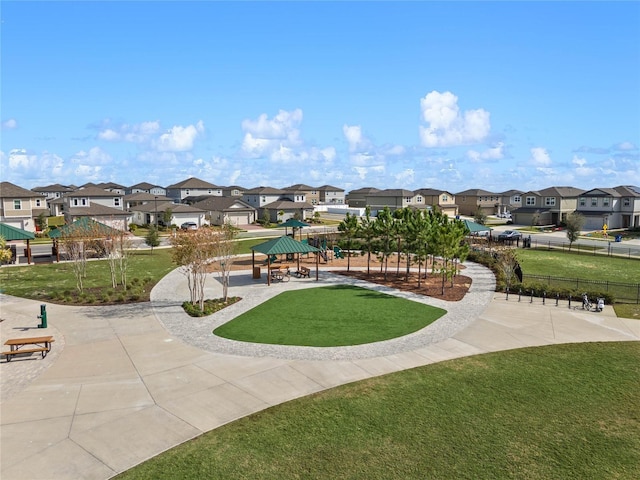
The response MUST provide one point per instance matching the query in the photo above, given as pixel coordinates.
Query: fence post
(507, 293)
(520, 294)
(531, 301)
(569, 300)
(544, 297)
(557, 298)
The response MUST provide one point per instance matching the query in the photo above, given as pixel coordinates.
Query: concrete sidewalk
(124, 388)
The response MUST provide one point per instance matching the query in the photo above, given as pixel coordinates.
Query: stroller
(587, 305)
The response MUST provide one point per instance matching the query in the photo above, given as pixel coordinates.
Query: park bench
(41, 345)
(303, 272)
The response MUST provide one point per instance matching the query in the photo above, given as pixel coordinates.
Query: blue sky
(456, 95)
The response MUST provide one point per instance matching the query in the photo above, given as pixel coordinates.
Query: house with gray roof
(20, 207)
(549, 206)
(192, 187)
(616, 208)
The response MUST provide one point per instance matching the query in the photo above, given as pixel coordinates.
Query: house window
(464, 199)
(38, 202)
(419, 199)
(626, 202)
(116, 202)
(186, 192)
(594, 202)
(74, 202)
(17, 204)
(264, 199)
(407, 199)
(531, 201)
(605, 201)
(550, 201)
(445, 198)
(583, 202)
(84, 202)
(57, 194)
(517, 199)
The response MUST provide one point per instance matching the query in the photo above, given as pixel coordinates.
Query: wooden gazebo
(282, 246)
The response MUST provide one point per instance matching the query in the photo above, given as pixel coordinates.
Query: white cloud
(179, 138)
(447, 126)
(273, 138)
(493, 153)
(357, 142)
(94, 156)
(626, 146)
(363, 172)
(10, 124)
(405, 177)
(540, 157)
(133, 133)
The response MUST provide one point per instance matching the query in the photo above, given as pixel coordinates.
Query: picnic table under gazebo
(282, 246)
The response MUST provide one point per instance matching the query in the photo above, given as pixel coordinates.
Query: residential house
(145, 187)
(140, 198)
(221, 210)
(278, 205)
(330, 195)
(93, 202)
(509, 201)
(192, 187)
(283, 210)
(394, 198)
(549, 206)
(358, 198)
(51, 192)
(259, 197)
(112, 187)
(311, 194)
(438, 199)
(472, 200)
(617, 207)
(233, 191)
(152, 214)
(20, 207)
(629, 205)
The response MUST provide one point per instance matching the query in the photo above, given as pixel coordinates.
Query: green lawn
(573, 265)
(329, 316)
(41, 281)
(563, 411)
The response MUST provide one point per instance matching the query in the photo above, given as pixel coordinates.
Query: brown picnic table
(34, 344)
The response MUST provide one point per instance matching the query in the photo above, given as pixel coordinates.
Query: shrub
(210, 306)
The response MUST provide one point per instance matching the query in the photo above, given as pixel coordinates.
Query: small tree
(42, 222)
(152, 239)
(192, 252)
(224, 250)
(349, 227)
(480, 217)
(535, 218)
(574, 223)
(266, 217)
(5, 253)
(280, 215)
(167, 216)
(508, 265)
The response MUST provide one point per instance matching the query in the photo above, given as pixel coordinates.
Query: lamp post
(155, 202)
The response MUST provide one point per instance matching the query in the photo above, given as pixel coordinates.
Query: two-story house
(51, 192)
(549, 206)
(311, 194)
(145, 187)
(394, 198)
(233, 191)
(278, 205)
(101, 205)
(617, 207)
(358, 198)
(20, 207)
(439, 200)
(509, 201)
(330, 195)
(192, 187)
(629, 205)
(474, 199)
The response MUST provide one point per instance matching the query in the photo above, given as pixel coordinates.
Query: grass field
(572, 265)
(563, 411)
(329, 316)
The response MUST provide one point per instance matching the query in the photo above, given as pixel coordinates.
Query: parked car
(189, 226)
(510, 235)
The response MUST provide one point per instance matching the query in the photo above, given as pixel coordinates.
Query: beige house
(311, 194)
(19, 207)
(470, 201)
(438, 199)
(331, 195)
(547, 207)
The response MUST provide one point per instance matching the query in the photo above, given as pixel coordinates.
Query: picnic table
(36, 344)
(280, 273)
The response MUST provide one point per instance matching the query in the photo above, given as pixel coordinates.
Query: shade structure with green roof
(83, 226)
(475, 227)
(282, 246)
(11, 233)
(293, 224)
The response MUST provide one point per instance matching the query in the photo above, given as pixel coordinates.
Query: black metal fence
(622, 292)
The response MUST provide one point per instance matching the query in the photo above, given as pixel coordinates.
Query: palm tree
(349, 227)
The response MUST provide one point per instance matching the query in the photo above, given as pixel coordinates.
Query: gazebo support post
(28, 253)
(317, 264)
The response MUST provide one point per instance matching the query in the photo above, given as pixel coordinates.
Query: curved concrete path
(132, 381)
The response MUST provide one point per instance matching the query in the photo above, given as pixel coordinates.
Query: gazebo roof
(282, 245)
(474, 227)
(84, 225)
(293, 223)
(13, 233)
